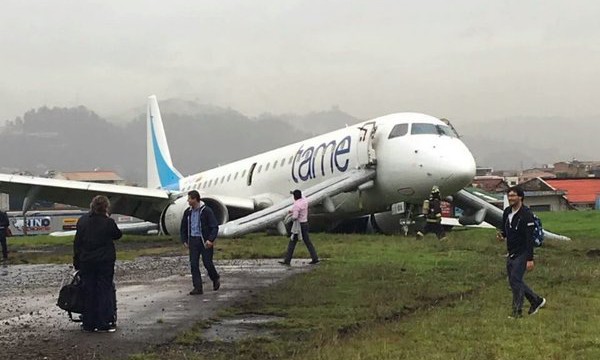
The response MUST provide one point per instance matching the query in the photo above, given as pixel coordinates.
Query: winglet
(161, 172)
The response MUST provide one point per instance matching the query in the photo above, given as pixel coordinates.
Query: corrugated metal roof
(578, 190)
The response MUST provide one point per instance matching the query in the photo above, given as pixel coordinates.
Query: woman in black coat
(94, 256)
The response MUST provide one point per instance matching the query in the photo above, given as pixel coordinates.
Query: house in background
(96, 176)
(542, 196)
(492, 184)
(582, 193)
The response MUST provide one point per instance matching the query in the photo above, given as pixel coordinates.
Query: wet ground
(154, 306)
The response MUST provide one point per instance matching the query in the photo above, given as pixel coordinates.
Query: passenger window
(222, 179)
(291, 159)
(398, 130)
(243, 174)
(259, 168)
(283, 162)
(228, 177)
(267, 167)
(275, 164)
(235, 176)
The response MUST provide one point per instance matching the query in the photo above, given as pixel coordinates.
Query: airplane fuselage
(411, 152)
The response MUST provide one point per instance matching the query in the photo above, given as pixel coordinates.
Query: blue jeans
(197, 249)
(515, 268)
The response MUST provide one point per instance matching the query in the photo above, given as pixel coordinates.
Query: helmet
(435, 190)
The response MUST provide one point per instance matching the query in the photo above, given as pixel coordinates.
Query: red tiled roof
(578, 190)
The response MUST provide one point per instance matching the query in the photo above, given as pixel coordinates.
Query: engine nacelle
(387, 223)
(170, 220)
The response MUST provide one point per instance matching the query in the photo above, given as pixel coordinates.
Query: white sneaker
(534, 309)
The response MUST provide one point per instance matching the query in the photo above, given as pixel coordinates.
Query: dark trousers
(307, 242)
(197, 249)
(3, 242)
(515, 268)
(436, 228)
(99, 294)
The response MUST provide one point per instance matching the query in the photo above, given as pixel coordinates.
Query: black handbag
(71, 297)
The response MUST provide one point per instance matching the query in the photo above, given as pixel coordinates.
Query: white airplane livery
(359, 170)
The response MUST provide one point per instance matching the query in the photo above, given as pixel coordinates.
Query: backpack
(538, 231)
(71, 297)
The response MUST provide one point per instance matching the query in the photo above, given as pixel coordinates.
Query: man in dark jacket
(517, 231)
(199, 229)
(3, 232)
(94, 256)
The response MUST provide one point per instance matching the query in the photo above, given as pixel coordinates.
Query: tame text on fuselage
(306, 160)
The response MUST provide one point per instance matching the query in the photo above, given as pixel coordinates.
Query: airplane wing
(139, 202)
(478, 210)
(142, 227)
(450, 221)
(316, 194)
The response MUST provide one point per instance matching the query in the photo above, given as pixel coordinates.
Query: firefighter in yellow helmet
(432, 210)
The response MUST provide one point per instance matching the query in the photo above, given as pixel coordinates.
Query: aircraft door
(249, 179)
(365, 151)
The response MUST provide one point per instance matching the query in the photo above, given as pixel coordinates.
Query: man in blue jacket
(199, 229)
(517, 230)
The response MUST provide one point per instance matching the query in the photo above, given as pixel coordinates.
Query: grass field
(380, 297)
(384, 297)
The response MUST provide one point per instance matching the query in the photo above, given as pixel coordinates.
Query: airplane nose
(457, 167)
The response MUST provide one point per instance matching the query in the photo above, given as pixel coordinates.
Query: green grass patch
(382, 297)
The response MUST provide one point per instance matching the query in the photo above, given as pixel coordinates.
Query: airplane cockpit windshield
(425, 128)
(421, 128)
(398, 130)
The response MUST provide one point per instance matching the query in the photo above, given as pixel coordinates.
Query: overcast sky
(466, 60)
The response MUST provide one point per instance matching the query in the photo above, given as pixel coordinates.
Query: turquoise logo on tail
(169, 179)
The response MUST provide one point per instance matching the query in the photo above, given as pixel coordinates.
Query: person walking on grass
(299, 215)
(517, 230)
(432, 210)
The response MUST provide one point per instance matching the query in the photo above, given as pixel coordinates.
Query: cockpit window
(447, 130)
(398, 130)
(419, 128)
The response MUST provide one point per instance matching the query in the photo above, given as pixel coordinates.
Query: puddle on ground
(240, 328)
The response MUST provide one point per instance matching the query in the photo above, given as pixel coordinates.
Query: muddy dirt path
(153, 301)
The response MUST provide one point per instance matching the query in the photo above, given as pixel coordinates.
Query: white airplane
(368, 168)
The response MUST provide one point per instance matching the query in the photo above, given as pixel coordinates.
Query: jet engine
(170, 219)
(387, 223)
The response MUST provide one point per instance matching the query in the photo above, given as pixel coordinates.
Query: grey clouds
(469, 61)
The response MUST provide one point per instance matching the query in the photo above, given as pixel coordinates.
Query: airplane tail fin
(161, 172)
